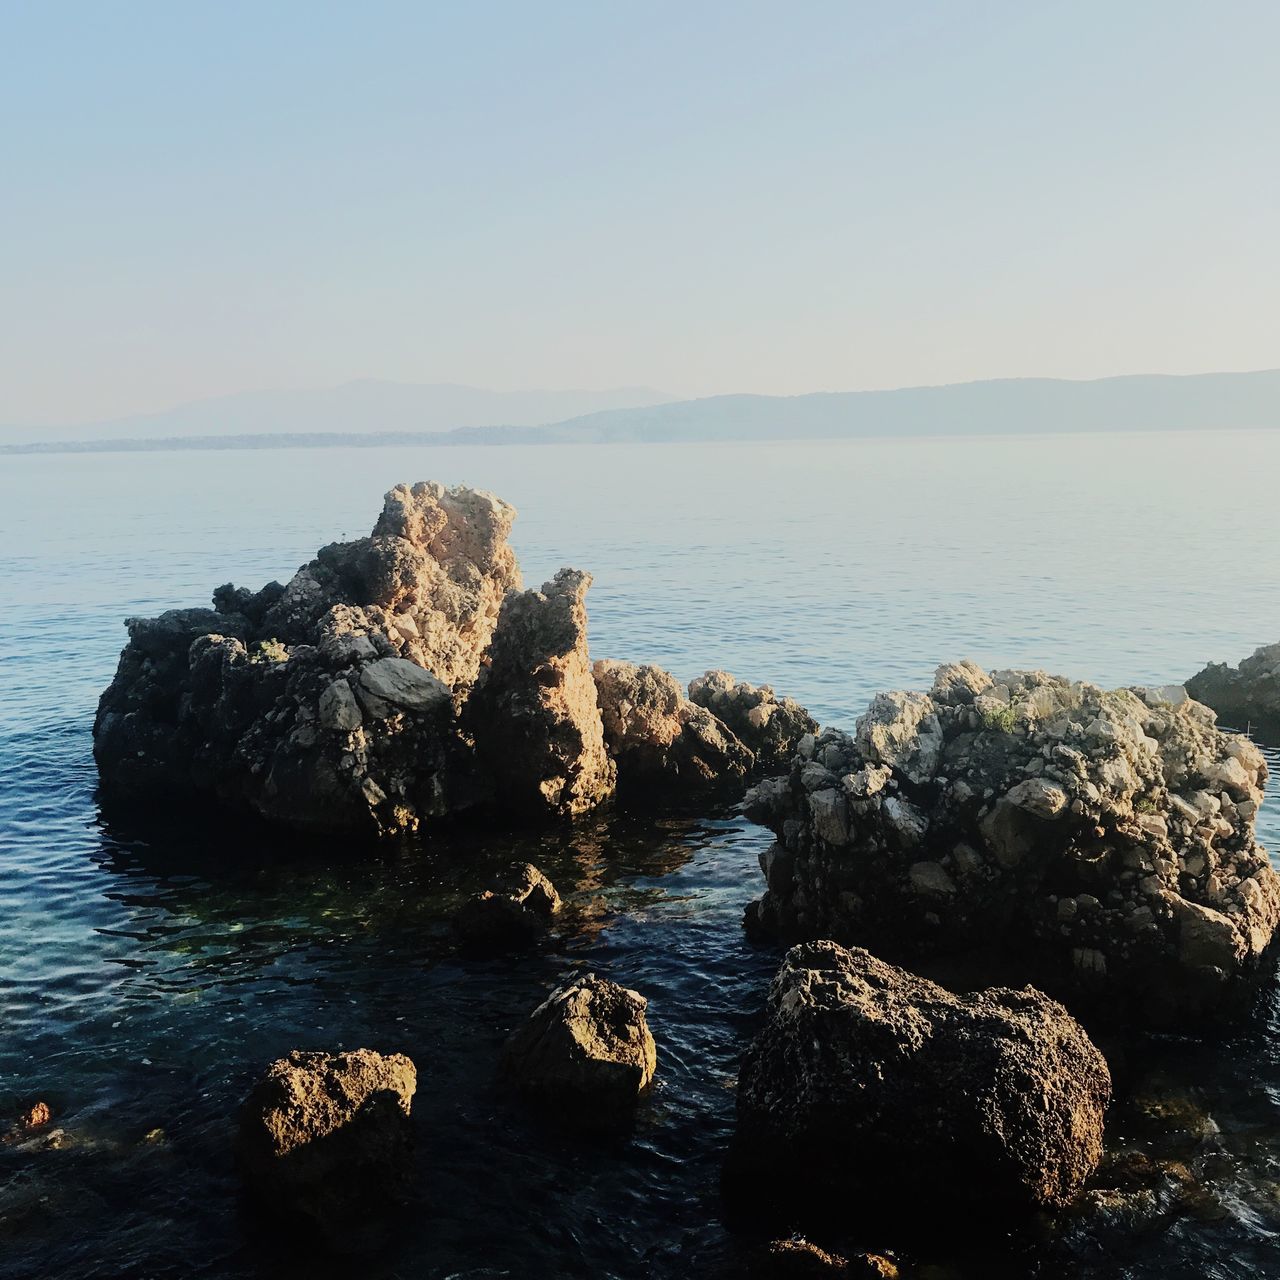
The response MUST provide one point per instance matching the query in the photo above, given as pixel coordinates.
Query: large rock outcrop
(327, 704)
(534, 712)
(1104, 841)
(326, 1137)
(400, 678)
(586, 1053)
(658, 736)
(870, 1082)
(1247, 694)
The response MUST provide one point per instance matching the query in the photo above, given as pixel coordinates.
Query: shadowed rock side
(534, 713)
(586, 1053)
(658, 737)
(769, 726)
(1245, 694)
(869, 1081)
(1103, 840)
(395, 679)
(326, 1137)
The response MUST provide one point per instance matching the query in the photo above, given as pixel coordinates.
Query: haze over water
(146, 976)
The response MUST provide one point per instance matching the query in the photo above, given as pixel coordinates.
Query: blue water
(148, 973)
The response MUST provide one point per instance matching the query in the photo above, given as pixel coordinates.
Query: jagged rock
(326, 1137)
(513, 914)
(797, 1259)
(658, 736)
(327, 704)
(534, 711)
(1245, 694)
(1104, 841)
(868, 1081)
(586, 1052)
(771, 727)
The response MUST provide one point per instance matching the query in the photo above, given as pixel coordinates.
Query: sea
(150, 969)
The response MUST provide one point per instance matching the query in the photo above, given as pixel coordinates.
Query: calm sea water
(147, 975)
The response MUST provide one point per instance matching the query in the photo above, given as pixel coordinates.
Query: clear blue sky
(702, 197)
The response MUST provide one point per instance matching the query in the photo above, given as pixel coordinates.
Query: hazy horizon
(733, 199)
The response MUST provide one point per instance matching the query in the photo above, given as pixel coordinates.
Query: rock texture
(534, 713)
(658, 736)
(1103, 840)
(326, 1137)
(401, 678)
(769, 726)
(586, 1052)
(1247, 694)
(867, 1080)
(515, 913)
(327, 704)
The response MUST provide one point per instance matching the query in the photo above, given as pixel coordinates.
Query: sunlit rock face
(537, 726)
(1103, 841)
(405, 677)
(1248, 693)
(659, 737)
(869, 1082)
(769, 726)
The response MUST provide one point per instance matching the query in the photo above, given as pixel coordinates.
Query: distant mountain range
(374, 414)
(354, 408)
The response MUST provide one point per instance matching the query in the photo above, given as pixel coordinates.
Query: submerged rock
(534, 712)
(658, 736)
(1248, 693)
(326, 1137)
(586, 1052)
(515, 913)
(870, 1081)
(771, 727)
(1103, 841)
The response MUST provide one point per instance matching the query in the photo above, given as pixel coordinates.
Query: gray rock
(1136, 805)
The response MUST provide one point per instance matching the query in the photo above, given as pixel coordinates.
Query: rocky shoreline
(405, 678)
(1102, 841)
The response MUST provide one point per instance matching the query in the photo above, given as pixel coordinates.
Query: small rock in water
(797, 1259)
(514, 913)
(35, 1115)
(586, 1052)
(325, 1137)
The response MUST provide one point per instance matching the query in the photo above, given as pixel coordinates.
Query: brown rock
(771, 727)
(870, 1081)
(515, 913)
(534, 712)
(659, 737)
(586, 1052)
(326, 1137)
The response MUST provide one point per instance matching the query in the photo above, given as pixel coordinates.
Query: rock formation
(326, 1138)
(868, 1081)
(515, 913)
(658, 736)
(769, 726)
(1103, 840)
(399, 678)
(586, 1052)
(534, 712)
(1247, 694)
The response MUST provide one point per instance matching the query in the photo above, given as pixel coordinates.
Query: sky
(701, 197)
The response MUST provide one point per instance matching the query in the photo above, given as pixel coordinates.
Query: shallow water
(147, 975)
